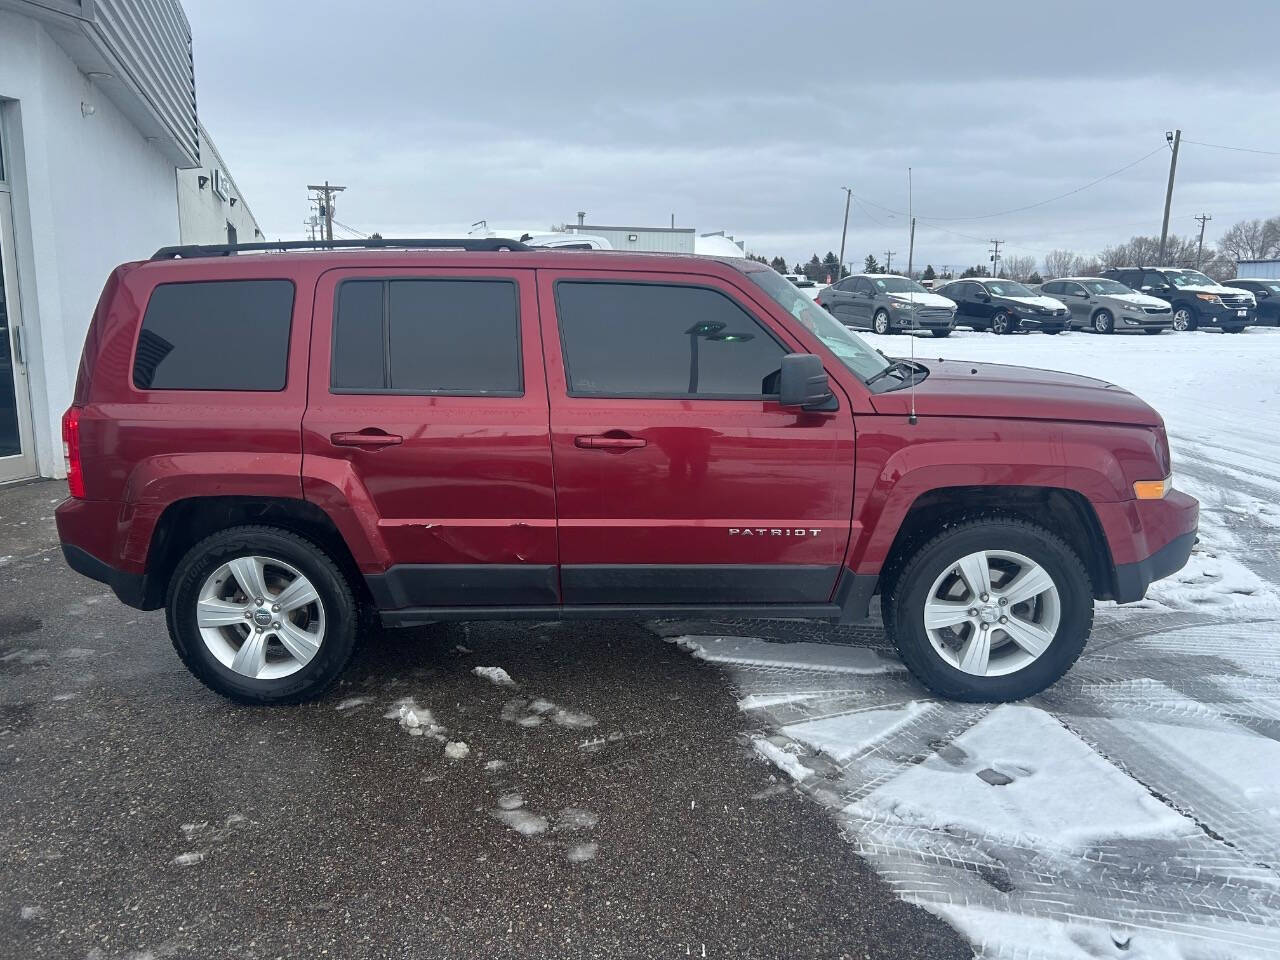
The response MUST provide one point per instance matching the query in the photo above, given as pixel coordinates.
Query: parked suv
(1267, 295)
(1005, 306)
(1195, 298)
(1105, 306)
(275, 446)
(886, 304)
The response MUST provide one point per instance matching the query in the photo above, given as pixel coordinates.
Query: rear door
(427, 427)
(861, 302)
(680, 479)
(1078, 301)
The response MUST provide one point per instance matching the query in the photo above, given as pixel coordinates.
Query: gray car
(886, 304)
(1105, 306)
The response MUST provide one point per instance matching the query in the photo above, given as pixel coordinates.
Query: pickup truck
(281, 445)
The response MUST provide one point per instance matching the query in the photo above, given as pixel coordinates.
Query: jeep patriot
(278, 445)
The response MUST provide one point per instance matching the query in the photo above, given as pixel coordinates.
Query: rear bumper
(130, 588)
(1162, 534)
(90, 530)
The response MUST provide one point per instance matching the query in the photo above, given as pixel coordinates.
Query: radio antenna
(915, 322)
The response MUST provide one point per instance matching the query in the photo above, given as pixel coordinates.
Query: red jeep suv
(274, 443)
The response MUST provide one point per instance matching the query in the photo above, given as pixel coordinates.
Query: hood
(1214, 288)
(957, 388)
(1048, 302)
(1138, 299)
(926, 299)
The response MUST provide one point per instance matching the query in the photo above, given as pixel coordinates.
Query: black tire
(340, 611)
(1053, 333)
(882, 320)
(1186, 315)
(908, 583)
(1152, 331)
(1002, 323)
(940, 332)
(1103, 322)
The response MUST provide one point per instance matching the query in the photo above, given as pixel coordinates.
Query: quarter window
(215, 335)
(428, 336)
(657, 340)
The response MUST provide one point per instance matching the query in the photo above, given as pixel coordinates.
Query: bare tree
(1086, 267)
(1017, 268)
(1252, 240)
(1059, 263)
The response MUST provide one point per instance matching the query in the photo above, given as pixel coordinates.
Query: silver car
(1105, 306)
(886, 304)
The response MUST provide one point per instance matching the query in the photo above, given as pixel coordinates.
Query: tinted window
(215, 335)
(1053, 286)
(427, 336)
(863, 286)
(623, 339)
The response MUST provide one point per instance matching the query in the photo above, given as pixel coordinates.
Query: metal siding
(648, 241)
(1257, 270)
(152, 41)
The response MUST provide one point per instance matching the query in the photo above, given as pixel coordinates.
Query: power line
(339, 223)
(1221, 146)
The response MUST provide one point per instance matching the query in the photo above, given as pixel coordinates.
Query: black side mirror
(803, 383)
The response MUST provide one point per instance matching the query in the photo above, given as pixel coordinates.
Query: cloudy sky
(746, 118)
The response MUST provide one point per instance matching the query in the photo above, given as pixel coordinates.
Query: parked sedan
(1005, 306)
(886, 304)
(1267, 293)
(1105, 306)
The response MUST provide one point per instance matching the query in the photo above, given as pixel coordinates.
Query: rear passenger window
(215, 335)
(459, 337)
(654, 340)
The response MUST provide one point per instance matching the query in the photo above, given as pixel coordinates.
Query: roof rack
(481, 245)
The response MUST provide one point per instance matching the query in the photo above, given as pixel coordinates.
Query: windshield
(1008, 288)
(1105, 286)
(1189, 278)
(898, 285)
(850, 349)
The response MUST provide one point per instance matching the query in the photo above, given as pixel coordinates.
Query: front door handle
(369, 437)
(609, 443)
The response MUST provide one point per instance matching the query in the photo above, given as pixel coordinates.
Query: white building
(1258, 269)
(99, 140)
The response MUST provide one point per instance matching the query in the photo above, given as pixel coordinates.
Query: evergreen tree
(813, 269)
(928, 272)
(779, 264)
(831, 267)
(797, 269)
(870, 265)
(1035, 277)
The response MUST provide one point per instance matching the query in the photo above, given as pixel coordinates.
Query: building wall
(202, 214)
(648, 239)
(1258, 269)
(89, 192)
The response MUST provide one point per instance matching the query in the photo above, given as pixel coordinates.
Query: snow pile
(533, 713)
(495, 675)
(844, 735)
(456, 750)
(352, 702)
(750, 651)
(415, 719)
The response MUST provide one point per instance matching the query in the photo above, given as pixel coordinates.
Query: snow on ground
(1133, 809)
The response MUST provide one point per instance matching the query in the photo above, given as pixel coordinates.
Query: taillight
(71, 451)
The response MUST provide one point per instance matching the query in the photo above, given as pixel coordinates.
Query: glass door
(17, 454)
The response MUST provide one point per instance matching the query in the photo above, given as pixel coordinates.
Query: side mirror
(803, 383)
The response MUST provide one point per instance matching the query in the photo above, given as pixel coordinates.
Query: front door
(17, 453)
(427, 413)
(680, 480)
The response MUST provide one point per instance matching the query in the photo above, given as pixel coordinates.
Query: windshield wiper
(903, 367)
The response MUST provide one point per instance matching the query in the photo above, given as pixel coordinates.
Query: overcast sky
(740, 117)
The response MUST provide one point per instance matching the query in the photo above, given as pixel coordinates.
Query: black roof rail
(482, 245)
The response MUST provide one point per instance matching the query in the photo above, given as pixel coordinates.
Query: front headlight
(1209, 297)
(902, 305)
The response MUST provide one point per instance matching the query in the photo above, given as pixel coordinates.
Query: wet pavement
(608, 805)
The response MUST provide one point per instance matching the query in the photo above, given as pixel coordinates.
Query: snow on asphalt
(1130, 811)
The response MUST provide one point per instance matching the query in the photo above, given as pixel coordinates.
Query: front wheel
(940, 332)
(1184, 319)
(993, 609)
(1103, 322)
(261, 615)
(1002, 323)
(880, 322)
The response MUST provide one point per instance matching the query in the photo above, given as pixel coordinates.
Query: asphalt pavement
(608, 805)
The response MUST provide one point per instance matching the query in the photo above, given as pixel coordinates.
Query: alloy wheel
(992, 613)
(260, 617)
(1182, 319)
(1000, 323)
(881, 322)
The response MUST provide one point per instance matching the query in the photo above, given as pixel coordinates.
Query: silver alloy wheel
(260, 617)
(1102, 322)
(881, 322)
(992, 613)
(1000, 323)
(1182, 319)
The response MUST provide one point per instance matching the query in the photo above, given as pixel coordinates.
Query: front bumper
(1141, 320)
(1210, 314)
(1156, 537)
(1038, 321)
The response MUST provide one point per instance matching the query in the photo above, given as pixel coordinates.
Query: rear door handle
(369, 437)
(609, 443)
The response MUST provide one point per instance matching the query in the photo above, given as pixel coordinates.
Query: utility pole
(1176, 139)
(911, 247)
(326, 204)
(888, 260)
(1203, 218)
(995, 256)
(848, 195)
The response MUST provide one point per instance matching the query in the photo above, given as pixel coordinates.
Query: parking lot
(784, 791)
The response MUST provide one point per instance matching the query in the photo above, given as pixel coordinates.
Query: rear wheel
(1002, 323)
(1103, 322)
(261, 615)
(940, 332)
(1184, 318)
(993, 609)
(881, 323)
